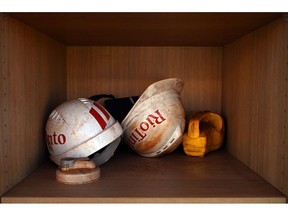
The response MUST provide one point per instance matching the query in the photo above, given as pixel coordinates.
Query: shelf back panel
(128, 71)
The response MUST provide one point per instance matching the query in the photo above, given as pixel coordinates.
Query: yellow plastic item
(205, 134)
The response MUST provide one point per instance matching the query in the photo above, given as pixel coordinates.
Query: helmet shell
(79, 128)
(156, 123)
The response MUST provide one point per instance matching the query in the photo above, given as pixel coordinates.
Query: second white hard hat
(155, 124)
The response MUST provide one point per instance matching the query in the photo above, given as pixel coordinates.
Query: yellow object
(205, 134)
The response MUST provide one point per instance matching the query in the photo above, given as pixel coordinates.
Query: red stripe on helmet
(98, 118)
(102, 110)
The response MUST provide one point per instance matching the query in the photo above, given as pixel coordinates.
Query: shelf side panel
(34, 81)
(255, 101)
(3, 105)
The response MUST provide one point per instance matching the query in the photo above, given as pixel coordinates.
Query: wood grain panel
(284, 165)
(173, 178)
(127, 71)
(146, 29)
(255, 101)
(3, 105)
(34, 81)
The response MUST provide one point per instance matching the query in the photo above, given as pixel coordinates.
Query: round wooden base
(78, 176)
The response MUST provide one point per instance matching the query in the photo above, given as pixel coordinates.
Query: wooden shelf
(174, 178)
(146, 29)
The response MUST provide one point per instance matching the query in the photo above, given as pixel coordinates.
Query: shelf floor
(173, 178)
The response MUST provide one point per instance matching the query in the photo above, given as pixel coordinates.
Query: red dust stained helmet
(155, 124)
(79, 128)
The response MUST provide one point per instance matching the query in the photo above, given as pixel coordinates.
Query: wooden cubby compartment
(234, 64)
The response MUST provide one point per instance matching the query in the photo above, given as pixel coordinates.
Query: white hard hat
(80, 128)
(155, 124)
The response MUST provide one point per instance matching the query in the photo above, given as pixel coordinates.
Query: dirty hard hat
(155, 124)
(80, 128)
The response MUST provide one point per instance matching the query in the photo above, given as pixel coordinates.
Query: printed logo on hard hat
(140, 133)
(55, 139)
(96, 111)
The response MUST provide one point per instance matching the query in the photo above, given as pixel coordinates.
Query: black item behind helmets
(117, 107)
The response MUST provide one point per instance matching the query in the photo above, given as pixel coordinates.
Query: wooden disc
(78, 176)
